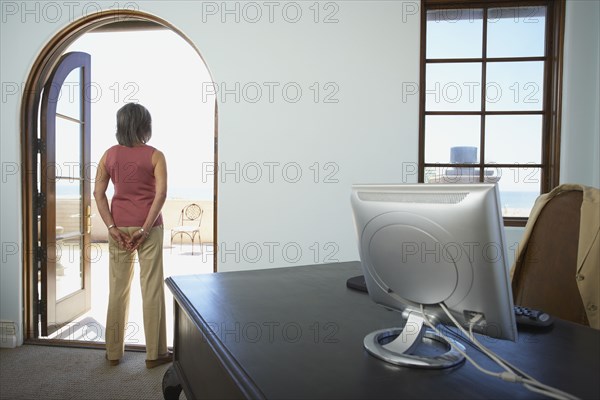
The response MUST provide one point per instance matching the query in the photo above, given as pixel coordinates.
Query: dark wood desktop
(297, 333)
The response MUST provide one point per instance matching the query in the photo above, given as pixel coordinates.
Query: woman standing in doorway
(139, 175)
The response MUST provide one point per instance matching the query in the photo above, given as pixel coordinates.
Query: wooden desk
(297, 333)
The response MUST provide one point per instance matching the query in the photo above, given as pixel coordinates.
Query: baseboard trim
(8, 335)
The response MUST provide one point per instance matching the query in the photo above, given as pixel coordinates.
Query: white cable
(528, 382)
(503, 363)
(552, 392)
(494, 357)
(464, 354)
(482, 348)
(473, 339)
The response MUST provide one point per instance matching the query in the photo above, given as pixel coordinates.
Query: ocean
(520, 200)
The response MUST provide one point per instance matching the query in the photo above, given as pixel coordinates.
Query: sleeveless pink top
(132, 174)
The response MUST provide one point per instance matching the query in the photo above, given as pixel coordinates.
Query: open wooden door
(65, 187)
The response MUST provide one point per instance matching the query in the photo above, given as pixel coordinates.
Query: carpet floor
(49, 372)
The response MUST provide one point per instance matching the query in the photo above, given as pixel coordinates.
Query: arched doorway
(33, 197)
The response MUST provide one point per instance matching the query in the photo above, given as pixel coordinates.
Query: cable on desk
(510, 373)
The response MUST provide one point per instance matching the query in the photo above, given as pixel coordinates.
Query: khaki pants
(121, 263)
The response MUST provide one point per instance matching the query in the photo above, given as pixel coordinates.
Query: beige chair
(190, 222)
(544, 274)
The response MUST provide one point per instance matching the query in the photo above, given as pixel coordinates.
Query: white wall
(369, 135)
(15, 62)
(365, 136)
(580, 145)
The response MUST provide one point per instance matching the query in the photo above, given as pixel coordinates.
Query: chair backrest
(544, 276)
(191, 213)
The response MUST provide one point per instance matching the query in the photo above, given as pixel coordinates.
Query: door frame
(38, 75)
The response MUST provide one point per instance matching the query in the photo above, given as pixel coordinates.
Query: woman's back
(132, 172)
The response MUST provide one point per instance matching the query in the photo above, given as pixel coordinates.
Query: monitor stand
(399, 351)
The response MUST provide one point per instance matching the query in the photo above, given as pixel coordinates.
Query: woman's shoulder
(111, 151)
(144, 148)
(153, 150)
(115, 149)
(138, 148)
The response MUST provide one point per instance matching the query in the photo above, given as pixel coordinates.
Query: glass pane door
(65, 220)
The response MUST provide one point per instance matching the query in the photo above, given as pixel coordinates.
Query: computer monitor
(426, 244)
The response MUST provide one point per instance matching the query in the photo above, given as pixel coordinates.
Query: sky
(161, 71)
(510, 86)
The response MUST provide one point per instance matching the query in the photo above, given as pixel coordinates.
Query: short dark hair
(134, 125)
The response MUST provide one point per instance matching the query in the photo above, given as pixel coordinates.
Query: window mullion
(545, 185)
(483, 94)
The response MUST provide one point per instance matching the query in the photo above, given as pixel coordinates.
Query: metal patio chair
(190, 221)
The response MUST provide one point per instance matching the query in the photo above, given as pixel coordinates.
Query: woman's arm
(160, 176)
(100, 186)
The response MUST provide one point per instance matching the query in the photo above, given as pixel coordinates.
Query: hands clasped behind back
(127, 242)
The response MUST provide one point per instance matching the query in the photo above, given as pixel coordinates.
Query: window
(490, 110)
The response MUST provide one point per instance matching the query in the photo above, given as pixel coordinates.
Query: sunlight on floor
(177, 261)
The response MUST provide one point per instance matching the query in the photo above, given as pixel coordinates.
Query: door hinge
(40, 254)
(40, 202)
(40, 146)
(40, 305)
